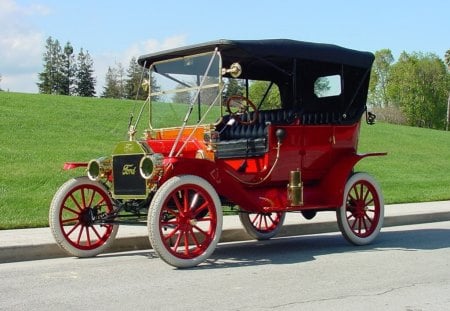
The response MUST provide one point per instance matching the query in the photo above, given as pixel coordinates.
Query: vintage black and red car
(265, 126)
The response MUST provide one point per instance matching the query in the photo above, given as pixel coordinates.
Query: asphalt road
(406, 268)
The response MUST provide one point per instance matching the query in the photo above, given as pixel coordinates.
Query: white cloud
(105, 60)
(21, 46)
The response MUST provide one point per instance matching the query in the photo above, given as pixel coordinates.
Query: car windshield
(185, 91)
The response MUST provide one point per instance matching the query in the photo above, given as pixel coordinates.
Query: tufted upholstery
(316, 118)
(240, 140)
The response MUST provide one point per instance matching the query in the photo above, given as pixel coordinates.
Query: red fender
(337, 177)
(72, 165)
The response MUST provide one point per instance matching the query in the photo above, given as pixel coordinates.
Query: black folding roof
(277, 50)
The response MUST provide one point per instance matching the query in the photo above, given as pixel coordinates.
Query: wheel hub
(87, 217)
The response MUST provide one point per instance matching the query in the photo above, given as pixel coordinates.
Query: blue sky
(115, 31)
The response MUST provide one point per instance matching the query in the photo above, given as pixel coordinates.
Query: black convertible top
(274, 49)
(294, 66)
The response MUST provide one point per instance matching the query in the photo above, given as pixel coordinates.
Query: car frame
(298, 156)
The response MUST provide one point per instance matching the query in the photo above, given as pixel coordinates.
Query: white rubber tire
(177, 187)
(361, 215)
(262, 226)
(69, 238)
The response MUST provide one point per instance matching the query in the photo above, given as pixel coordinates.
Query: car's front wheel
(185, 221)
(73, 217)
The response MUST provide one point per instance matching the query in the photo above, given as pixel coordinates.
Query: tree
(68, 70)
(447, 63)
(58, 76)
(85, 81)
(379, 78)
(418, 84)
(0, 81)
(133, 83)
(115, 82)
(257, 91)
(50, 79)
(233, 87)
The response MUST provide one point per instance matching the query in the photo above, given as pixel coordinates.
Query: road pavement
(33, 244)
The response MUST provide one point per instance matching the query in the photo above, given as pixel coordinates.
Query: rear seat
(317, 118)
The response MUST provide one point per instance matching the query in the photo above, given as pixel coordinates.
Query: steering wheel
(238, 105)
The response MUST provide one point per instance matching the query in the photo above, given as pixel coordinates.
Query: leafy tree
(447, 63)
(418, 84)
(85, 81)
(0, 81)
(258, 89)
(379, 78)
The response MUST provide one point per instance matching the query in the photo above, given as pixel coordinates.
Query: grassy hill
(40, 132)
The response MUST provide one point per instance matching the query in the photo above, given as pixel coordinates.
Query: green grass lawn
(40, 132)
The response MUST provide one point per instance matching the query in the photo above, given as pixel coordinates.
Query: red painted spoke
(186, 243)
(351, 197)
(273, 221)
(368, 192)
(370, 202)
(177, 203)
(80, 234)
(172, 233)
(91, 199)
(100, 202)
(359, 225)
(69, 220)
(177, 241)
(76, 202)
(200, 209)
(71, 210)
(96, 232)
(185, 201)
(196, 242)
(88, 237)
(73, 229)
(201, 231)
(83, 198)
(354, 223)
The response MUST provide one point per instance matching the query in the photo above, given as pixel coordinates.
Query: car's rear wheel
(185, 221)
(361, 215)
(262, 226)
(73, 218)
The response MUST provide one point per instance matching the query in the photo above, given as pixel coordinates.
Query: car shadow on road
(289, 250)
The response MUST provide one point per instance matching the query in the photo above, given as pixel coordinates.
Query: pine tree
(68, 70)
(51, 78)
(85, 81)
(133, 85)
(111, 88)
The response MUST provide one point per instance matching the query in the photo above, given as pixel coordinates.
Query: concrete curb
(132, 239)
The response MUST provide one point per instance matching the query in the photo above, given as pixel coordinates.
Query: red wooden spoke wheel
(185, 223)
(361, 217)
(262, 226)
(74, 214)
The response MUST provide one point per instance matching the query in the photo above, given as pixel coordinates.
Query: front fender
(73, 165)
(334, 182)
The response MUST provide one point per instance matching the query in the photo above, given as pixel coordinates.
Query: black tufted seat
(238, 140)
(317, 118)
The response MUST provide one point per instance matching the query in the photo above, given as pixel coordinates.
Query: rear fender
(334, 182)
